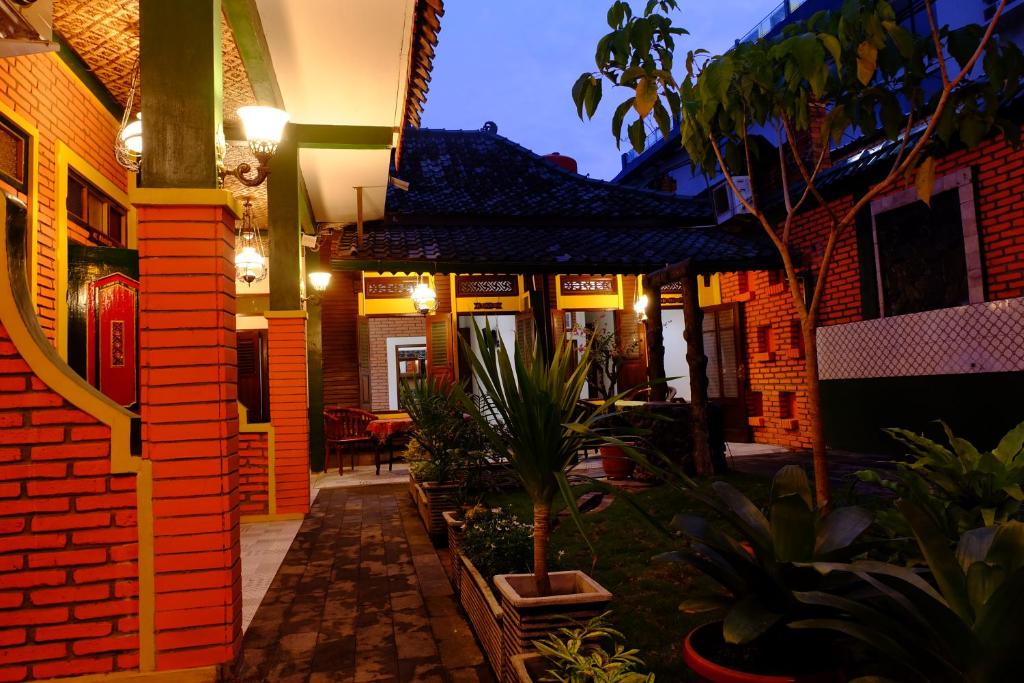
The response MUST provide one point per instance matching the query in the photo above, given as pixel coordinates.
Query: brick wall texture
(40, 88)
(998, 176)
(380, 330)
(253, 473)
(289, 401)
(68, 538)
(190, 428)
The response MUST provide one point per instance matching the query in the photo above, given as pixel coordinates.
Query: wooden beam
(317, 136)
(180, 53)
(359, 216)
(655, 343)
(243, 17)
(693, 333)
(284, 223)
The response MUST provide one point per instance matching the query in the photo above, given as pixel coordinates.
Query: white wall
(504, 325)
(675, 352)
(393, 343)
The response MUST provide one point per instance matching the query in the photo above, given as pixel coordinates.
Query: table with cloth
(384, 431)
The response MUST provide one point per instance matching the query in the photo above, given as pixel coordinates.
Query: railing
(774, 18)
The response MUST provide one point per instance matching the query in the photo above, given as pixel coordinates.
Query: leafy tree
(852, 71)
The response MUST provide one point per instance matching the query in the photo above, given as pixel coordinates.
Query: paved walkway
(360, 596)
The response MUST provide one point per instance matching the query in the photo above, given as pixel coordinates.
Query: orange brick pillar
(190, 420)
(286, 345)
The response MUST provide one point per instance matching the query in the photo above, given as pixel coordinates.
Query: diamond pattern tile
(987, 337)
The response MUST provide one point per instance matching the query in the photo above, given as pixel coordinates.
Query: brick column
(286, 344)
(190, 420)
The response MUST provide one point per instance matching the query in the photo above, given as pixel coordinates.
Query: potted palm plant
(531, 416)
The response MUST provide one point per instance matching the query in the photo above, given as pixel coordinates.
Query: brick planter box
(432, 501)
(526, 617)
(455, 528)
(484, 611)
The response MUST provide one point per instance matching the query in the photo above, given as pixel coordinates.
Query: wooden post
(698, 364)
(359, 216)
(284, 224)
(655, 343)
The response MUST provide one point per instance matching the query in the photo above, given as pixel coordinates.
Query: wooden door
(440, 347)
(102, 297)
(526, 332)
(723, 345)
(633, 370)
(363, 355)
(253, 386)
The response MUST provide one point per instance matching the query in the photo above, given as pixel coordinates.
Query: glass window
(98, 214)
(13, 155)
(921, 257)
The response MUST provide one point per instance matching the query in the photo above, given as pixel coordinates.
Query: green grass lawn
(646, 593)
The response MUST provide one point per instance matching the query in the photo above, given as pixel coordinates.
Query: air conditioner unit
(725, 201)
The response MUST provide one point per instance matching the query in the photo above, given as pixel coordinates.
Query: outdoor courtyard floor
(360, 596)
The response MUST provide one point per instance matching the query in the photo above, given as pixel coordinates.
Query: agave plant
(578, 655)
(762, 565)
(959, 487)
(964, 624)
(532, 417)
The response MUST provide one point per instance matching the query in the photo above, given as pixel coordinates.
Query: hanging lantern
(250, 257)
(424, 298)
(128, 141)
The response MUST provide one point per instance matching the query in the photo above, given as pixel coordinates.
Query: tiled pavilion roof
(477, 201)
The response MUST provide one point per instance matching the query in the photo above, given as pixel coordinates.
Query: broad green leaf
(982, 581)
(902, 38)
(748, 619)
(752, 521)
(1011, 444)
(701, 605)
(867, 58)
(792, 480)
(924, 181)
(579, 91)
(940, 559)
(617, 118)
(840, 529)
(593, 97)
(646, 96)
(792, 529)
(637, 135)
(974, 546)
(832, 45)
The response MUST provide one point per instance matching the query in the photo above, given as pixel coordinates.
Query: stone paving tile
(360, 596)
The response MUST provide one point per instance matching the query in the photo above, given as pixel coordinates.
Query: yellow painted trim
(32, 345)
(205, 674)
(509, 304)
(33, 196)
(396, 306)
(84, 88)
(244, 426)
(67, 159)
(175, 196)
(589, 302)
(282, 517)
(286, 314)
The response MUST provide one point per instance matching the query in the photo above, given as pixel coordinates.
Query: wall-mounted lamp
(640, 308)
(424, 298)
(319, 280)
(264, 127)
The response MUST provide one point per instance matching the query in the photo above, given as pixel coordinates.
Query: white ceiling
(341, 62)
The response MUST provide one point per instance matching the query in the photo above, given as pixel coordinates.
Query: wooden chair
(345, 428)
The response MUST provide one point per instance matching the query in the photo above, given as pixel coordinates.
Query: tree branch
(938, 43)
(981, 46)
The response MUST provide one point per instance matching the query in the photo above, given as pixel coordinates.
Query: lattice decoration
(105, 34)
(986, 337)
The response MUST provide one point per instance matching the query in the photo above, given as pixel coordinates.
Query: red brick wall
(190, 429)
(999, 177)
(380, 330)
(289, 402)
(253, 480)
(40, 88)
(68, 536)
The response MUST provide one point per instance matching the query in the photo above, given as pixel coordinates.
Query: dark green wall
(979, 407)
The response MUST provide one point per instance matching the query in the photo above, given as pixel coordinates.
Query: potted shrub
(440, 447)
(761, 567)
(579, 655)
(531, 417)
(492, 542)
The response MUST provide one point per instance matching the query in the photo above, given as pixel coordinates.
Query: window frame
(107, 205)
(962, 181)
(25, 137)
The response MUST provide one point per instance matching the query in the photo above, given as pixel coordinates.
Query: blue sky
(514, 63)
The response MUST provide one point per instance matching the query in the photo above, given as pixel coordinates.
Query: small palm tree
(530, 415)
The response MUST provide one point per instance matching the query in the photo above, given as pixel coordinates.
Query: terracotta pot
(528, 617)
(432, 500)
(709, 671)
(615, 462)
(484, 611)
